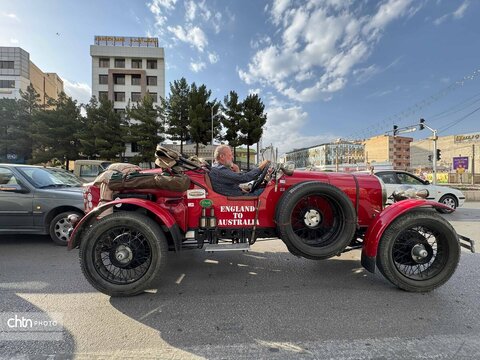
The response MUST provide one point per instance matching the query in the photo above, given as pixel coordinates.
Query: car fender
(381, 223)
(162, 214)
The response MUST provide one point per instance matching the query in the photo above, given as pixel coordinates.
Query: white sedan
(453, 198)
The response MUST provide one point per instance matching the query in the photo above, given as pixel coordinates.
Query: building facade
(388, 149)
(455, 151)
(17, 72)
(124, 69)
(337, 156)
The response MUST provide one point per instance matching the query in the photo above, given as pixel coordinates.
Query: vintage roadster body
(317, 215)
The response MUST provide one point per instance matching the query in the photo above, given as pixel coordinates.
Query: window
(104, 62)
(7, 84)
(136, 63)
(152, 80)
(154, 96)
(121, 112)
(103, 79)
(119, 79)
(408, 179)
(387, 178)
(136, 96)
(7, 177)
(89, 170)
(119, 63)
(135, 79)
(119, 96)
(103, 95)
(7, 64)
(151, 64)
(134, 147)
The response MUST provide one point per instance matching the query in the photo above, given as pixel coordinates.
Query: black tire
(59, 227)
(426, 229)
(142, 242)
(315, 220)
(449, 200)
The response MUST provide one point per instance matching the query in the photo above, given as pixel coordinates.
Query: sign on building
(467, 138)
(460, 162)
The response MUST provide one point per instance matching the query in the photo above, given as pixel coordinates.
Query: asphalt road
(263, 304)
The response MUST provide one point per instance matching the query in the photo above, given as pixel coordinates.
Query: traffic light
(430, 158)
(421, 127)
(439, 154)
(395, 130)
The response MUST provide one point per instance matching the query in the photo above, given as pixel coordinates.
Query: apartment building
(392, 149)
(124, 69)
(17, 72)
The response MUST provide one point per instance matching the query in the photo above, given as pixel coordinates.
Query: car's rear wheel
(122, 253)
(60, 226)
(419, 251)
(450, 201)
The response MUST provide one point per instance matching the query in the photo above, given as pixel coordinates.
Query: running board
(467, 243)
(227, 247)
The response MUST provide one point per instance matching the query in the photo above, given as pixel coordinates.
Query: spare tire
(315, 220)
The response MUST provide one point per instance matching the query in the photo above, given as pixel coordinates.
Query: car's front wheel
(60, 226)
(122, 253)
(450, 201)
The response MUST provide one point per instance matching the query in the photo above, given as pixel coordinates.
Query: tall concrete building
(124, 69)
(392, 149)
(17, 72)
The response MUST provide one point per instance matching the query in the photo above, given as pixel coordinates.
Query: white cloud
(212, 57)
(192, 35)
(14, 41)
(11, 16)
(282, 127)
(78, 91)
(160, 9)
(190, 10)
(321, 44)
(456, 15)
(196, 67)
(254, 91)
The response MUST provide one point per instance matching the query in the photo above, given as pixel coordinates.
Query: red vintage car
(317, 215)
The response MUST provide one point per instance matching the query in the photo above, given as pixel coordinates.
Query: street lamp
(422, 125)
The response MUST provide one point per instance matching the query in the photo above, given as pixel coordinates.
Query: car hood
(66, 192)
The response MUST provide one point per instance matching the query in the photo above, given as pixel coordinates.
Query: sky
(325, 69)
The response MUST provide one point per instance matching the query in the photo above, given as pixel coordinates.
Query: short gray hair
(220, 150)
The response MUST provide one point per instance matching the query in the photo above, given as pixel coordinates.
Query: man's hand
(235, 168)
(263, 164)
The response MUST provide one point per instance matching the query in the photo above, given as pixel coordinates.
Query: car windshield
(50, 177)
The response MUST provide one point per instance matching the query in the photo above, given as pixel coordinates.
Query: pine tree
(54, 131)
(28, 106)
(252, 122)
(177, 112)
(146, 128)
(231, 121)
(202, 114)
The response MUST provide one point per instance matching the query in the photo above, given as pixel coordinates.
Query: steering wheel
(260, 178)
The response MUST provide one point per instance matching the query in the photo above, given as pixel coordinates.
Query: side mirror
(14, 188)
(426, 182)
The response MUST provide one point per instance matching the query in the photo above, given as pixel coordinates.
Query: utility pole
(473, 164)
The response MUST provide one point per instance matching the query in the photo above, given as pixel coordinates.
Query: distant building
(384, 148)
(17, 72)
(453, 148)
(340, 155)
(124, 69)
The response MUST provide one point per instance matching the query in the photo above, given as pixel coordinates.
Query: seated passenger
(226, 176)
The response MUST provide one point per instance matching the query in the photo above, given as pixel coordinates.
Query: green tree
(177, 112)
(55, 131)
(28, 106)
(102, 133)
(146, 128)
(8, 129)
(231, 121)
(202, 114)
(252, 122)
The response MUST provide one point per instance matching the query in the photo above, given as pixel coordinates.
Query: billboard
(460, 162)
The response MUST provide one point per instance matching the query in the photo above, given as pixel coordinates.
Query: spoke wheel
(122, 254)
(315, 220)
(419, 251)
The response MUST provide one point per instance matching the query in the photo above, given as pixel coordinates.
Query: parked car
(392, 179)
(38, 200)
(89, 169)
